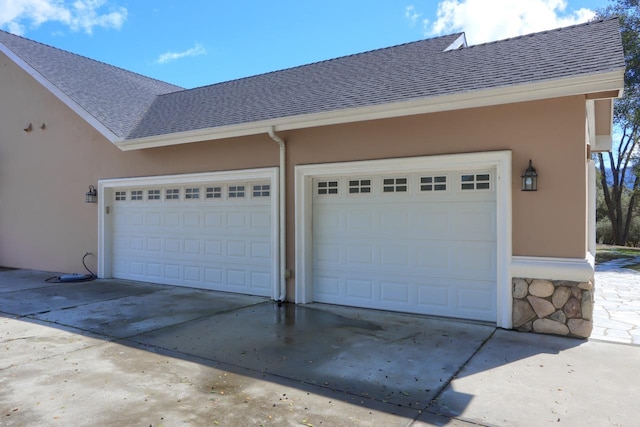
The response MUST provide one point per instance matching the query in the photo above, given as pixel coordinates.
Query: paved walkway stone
(616, 313)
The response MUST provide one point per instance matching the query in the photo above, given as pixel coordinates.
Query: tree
(621, 183)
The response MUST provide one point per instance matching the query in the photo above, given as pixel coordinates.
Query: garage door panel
(327, 289)
(431, 223)
(191, 219)
(193, 241)
(396, 292)
(172, 245)
(153, 219)
(437, 296)
(191, 247)
(433, 256)
(153, 244)
(360, 254)
(154, 269)
(407, 251)
(473, 224)
(395, 220)
(327, 253)
(171, 219)
(260, 221)
(326, 219)
(474, 259)
(213, 220)
(360, 289)
(192, 274)
(359, 219)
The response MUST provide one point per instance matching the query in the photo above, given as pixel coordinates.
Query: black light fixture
(530, 179)
(92, 195)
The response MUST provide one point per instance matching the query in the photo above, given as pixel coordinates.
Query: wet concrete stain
(399, 360)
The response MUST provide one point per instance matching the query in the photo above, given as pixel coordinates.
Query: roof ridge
(84, 57)
(266, 73)
(537, 33)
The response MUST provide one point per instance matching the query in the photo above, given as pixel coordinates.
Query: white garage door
(420, 242)
(214, 236)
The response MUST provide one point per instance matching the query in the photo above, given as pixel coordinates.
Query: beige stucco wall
(45, 224)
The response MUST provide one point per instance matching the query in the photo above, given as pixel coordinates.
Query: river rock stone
(522, 313)
(542, 307)
(580, 327)
(541, 288)
(548, 326)
(559, 317)
(586, 286)
(587, 305)
(520, 287)
(560, 296)
(573, 308)
(576, 292)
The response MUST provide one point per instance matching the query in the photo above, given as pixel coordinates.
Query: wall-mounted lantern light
(92, 195)
(529, 179)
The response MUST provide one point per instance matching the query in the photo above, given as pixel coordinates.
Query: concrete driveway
(116, 353)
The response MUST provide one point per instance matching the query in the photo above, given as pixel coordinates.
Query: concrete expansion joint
(455, 375)
(194, 319)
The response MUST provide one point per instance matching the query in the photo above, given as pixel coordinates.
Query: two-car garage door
(214, 234)
(403, 239)
(420, 242)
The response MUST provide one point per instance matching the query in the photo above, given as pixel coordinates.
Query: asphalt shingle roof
(134, 106)
(117, 98)
(415, 70)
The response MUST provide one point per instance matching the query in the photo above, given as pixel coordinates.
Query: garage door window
(236, 191)
(192, 193)
(394, 185)
(121, 196)
(153, 194)
(360, 186)
(433, 183)
(214, 193)
(327, 187)
(172, 194)
(261, 190)
(481, 181)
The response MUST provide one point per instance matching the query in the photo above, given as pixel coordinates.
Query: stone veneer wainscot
(557, 307)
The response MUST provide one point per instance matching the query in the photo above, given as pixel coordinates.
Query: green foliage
(617, 199)
(605, 235)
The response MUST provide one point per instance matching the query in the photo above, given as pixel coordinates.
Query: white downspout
(282, 244)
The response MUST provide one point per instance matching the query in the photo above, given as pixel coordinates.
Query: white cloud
(78, 15)
(411, 14)
(488, 20)
(196, 50)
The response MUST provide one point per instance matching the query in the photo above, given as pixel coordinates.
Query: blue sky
(194, 43)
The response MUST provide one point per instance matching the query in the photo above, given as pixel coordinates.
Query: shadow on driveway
(121, 334)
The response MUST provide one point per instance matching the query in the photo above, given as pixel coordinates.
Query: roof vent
(459, 43)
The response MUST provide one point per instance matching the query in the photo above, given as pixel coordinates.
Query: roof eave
(68, 101)
(581, 85)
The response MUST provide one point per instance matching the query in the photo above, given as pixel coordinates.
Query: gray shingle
(115, 97)
(406, 72)
(134, 106)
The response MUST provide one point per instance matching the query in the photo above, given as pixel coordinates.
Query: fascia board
(74, 106)
(611, 81)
